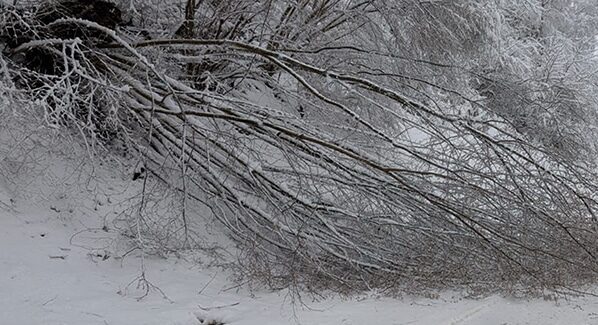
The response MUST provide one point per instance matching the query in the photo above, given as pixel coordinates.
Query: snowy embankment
(60, 263)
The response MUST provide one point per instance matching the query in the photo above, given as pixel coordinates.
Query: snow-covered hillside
(58, 266)
(161, 161)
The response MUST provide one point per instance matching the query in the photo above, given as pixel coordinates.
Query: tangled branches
(329, 178)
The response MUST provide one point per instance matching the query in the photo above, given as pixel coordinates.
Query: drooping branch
(364, 193)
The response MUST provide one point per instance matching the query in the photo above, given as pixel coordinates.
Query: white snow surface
(53, 271)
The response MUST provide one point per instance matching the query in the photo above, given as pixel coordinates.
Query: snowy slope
(60, 265)
(46, 277)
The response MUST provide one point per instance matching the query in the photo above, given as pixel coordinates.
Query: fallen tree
(369, 189)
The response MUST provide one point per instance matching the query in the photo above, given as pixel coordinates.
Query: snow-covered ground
(57, 267)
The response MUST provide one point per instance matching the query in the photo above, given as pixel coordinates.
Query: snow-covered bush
(333, 159)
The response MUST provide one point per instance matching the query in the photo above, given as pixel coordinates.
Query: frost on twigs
(54, 61)
(326, 171)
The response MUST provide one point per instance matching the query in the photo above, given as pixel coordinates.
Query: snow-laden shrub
(324, 169)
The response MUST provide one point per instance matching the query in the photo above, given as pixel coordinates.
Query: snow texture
(55, 269)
